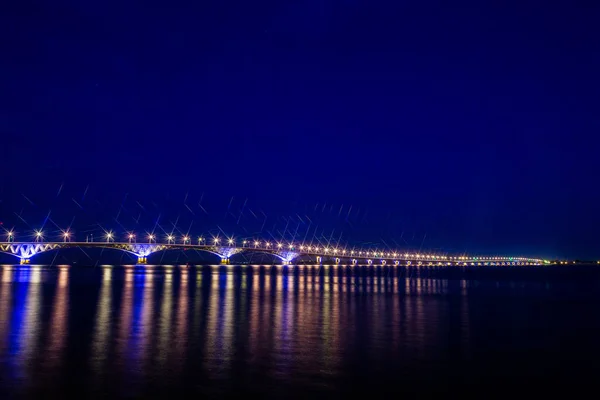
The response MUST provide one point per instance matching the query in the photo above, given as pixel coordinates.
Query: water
(173, 332)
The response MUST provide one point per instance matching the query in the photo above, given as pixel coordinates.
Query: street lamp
(217, 240)
(39, 236)
(170, 239)
(109, 237)
(256, 243)
(131, 237)
(66, 235)
(10, 236)
(230, 242)
(200, 240)
(150, 238)
(185, 239)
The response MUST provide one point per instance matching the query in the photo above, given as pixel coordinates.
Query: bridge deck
(26, 250)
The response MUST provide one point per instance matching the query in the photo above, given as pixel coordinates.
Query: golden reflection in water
(125, 317)
(212, 314)
(253, 312)
(181, 322)
(301, 281)
(331, 324)
(244, 284)
(219, 336)
(324, 322)
(299, 320)
(396, 314)
(264, 315)
(311, 321)
(280, 341)
(227, 339)
(30, 331)
(59, 320)
(267, 310)
(102, 324)
(5, 307)
(197, 304)
(146, 328)
(241, 310)
(166, 308)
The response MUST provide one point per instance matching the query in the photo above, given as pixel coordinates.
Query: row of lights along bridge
(109, 237)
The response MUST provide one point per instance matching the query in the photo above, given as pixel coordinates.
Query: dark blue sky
(470, 124)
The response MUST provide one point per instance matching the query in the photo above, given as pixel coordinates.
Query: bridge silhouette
(286, 252)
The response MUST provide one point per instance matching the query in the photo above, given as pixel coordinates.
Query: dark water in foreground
(167, 332)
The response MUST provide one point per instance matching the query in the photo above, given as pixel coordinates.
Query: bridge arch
(185, 249)
(27, 251)
(286, 257)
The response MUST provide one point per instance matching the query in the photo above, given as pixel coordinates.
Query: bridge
(286, 252)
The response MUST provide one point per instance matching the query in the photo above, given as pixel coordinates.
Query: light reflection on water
(135, 331)
(102, 328)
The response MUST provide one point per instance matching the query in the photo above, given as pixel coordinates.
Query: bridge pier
(225, 253)
(142, 250)
(287, 257)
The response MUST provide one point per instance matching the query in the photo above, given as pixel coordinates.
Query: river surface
(297, 332)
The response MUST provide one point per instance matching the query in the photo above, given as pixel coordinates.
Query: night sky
(460, 126)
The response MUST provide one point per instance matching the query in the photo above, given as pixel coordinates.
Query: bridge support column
(287, 257)
(370, 262)
(143, 250)
(354, 261)
(226, 252)
(337, 260)
(383, 262)
(319, 260)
